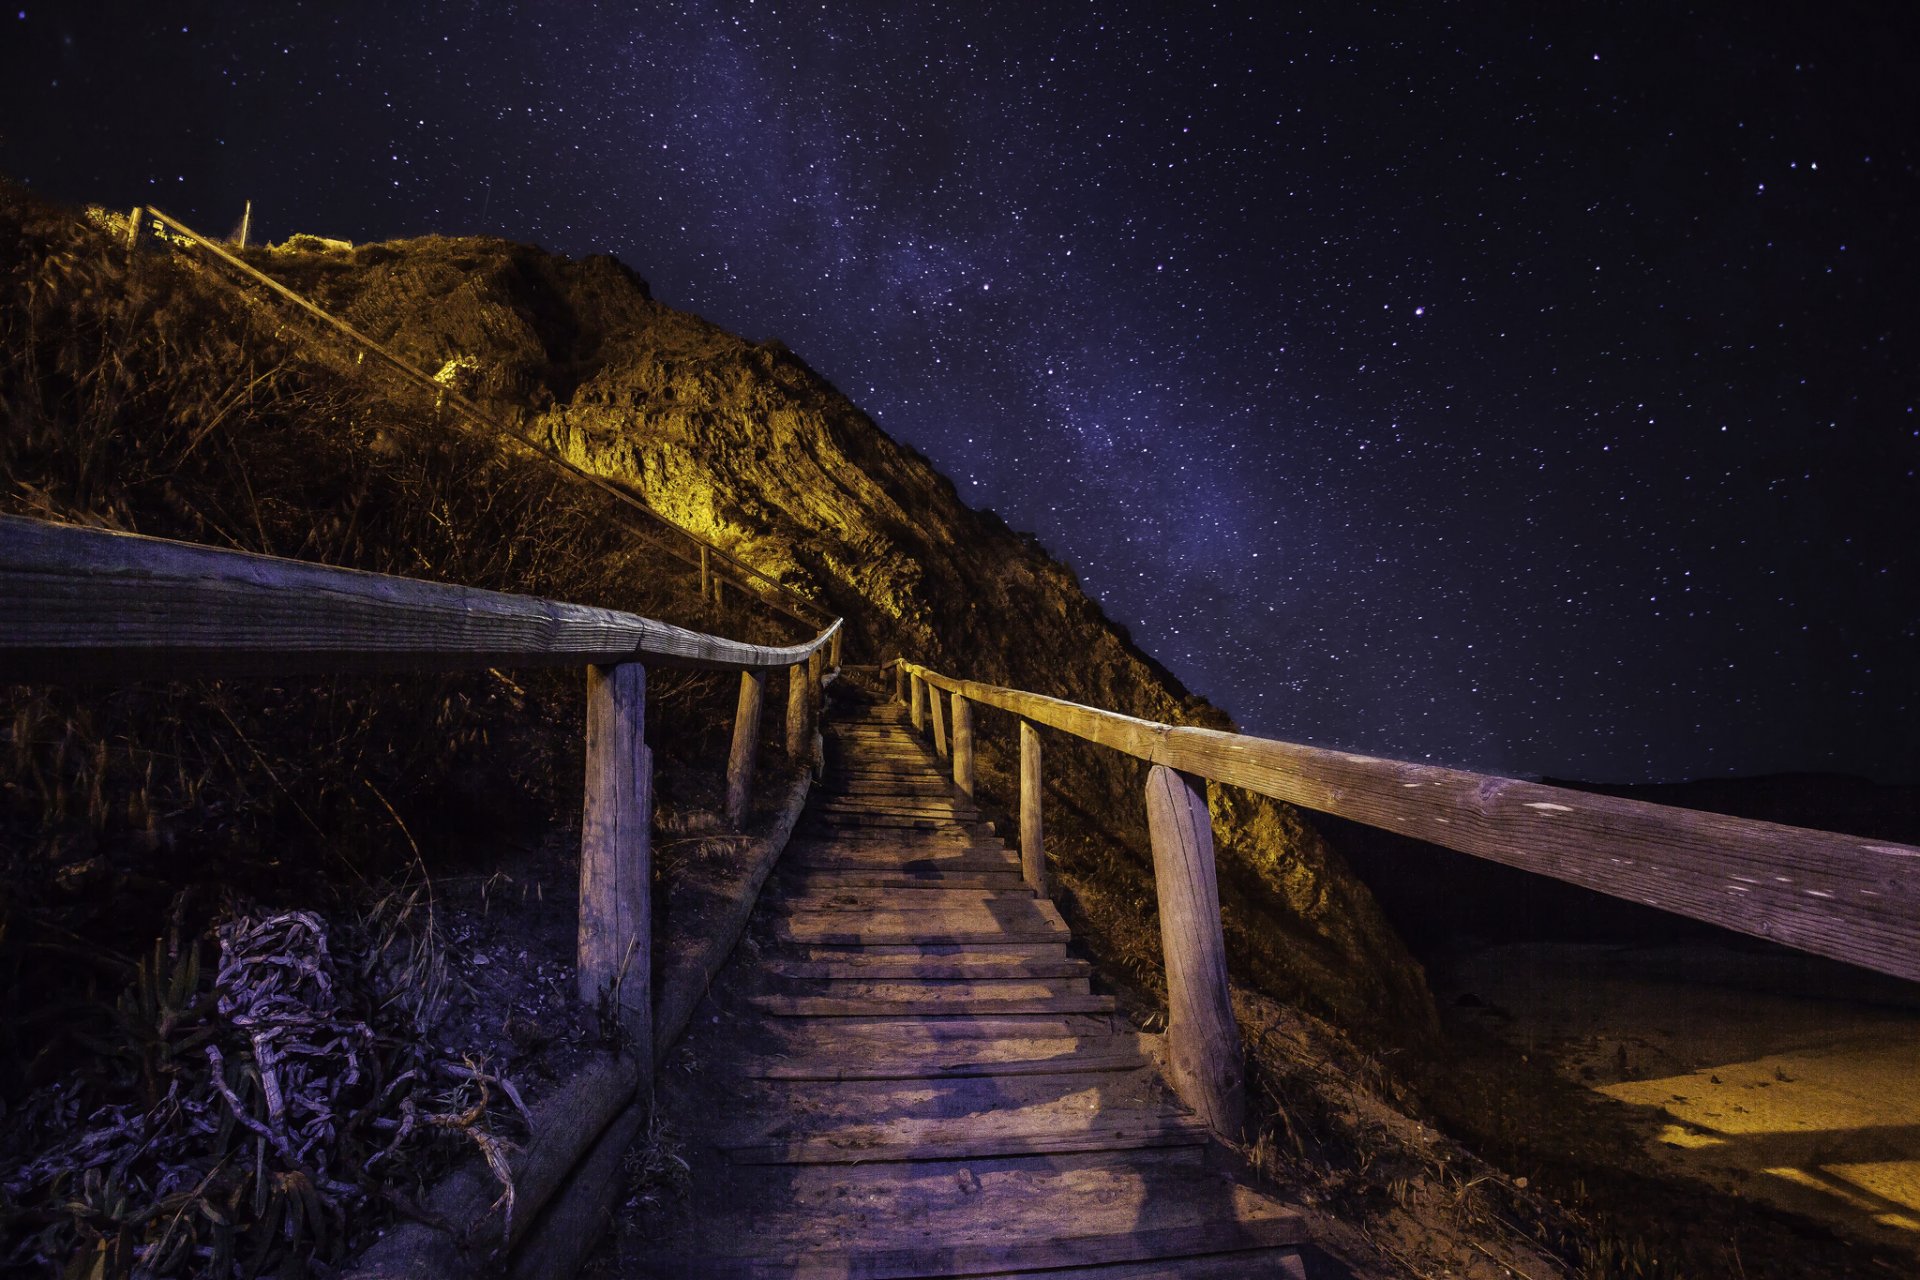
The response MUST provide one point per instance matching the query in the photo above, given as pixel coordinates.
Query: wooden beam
(1204, 1056)
(1033, 849)
(706, 574)
(85, 604)
(1846, 897)
(746, 744)
(900, 678)
(962, 744)
(936, 704)
(616, 922)
(816, 676)
(917, 712)
(797, 729)
(833, 650)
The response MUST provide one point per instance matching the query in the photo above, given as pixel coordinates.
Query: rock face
(745, 444)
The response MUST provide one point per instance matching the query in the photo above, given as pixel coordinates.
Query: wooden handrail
(89, 604)
(1845, 897)
(783, 597)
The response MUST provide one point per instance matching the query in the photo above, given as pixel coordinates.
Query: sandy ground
(1768, 1076)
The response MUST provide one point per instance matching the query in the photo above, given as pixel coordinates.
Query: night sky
(1517, 389)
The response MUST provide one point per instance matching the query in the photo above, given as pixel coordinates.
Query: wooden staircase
(903, 1073)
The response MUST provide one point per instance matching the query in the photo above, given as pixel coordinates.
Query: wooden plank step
(920, 990)
(976, 1137)
(801, 880)
(843, 899)
(1012, 950)
(968, 966)
(898, 1221)
(1037, 921)
(974, 1116)
(899, 861)
(842, 1059)
(978, 1007)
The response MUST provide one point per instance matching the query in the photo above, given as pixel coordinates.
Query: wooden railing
(679, 542)
(86, 605)
(1849, 898)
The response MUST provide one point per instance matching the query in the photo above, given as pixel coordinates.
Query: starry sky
(1525, 390)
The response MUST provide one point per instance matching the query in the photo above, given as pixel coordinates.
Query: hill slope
(744, 443)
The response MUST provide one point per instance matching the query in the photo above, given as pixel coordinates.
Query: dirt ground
(1776, 1078)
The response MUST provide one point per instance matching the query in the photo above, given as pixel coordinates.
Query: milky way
(1522, 391)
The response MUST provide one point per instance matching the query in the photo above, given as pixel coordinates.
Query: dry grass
(144, 395)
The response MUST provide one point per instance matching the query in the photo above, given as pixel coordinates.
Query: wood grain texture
(917, 713)
(582, 1210)
(80, 604)
(616, 921)
(936, 706)
(1033, 846)
(1203, 1043)
(962, 744)
(799, 735)
(1846, 897)
(746, 746)
(475, 1217)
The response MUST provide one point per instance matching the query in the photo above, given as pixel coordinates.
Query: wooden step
(849, 1058)
(1039, 923)
(1011, 949)
(973, 965)
(920, 990)
(929, 1007)
(801, 880)
(938, 1218)
(844, 899)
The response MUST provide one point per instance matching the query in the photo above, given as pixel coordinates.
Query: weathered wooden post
(834, 657)
(918, 712)
(797, 711)
(719, 591)
(963, 744)
(746, 744)
(134, 220)
(1033, 851)
(935, 699)
(900, 694)
(816, 673)
(1203, 1043)
(616, 939)
(706, 575)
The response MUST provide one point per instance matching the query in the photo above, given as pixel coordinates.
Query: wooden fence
(1845, 897)
(715, 564)
(86, 605)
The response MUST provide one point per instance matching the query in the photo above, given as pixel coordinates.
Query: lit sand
(1772, 1078)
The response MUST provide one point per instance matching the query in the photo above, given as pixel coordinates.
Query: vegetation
(289, 823)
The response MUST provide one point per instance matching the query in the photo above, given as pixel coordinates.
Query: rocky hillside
(745, 444)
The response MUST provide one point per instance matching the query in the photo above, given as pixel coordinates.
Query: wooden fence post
(935, 701)
(797, 711)
(1203, 1043)
(746, 744)
(918, 710)
(1033, 850)
(816, 672)
(834, 644)
(706, 575)
(963, 744)
(616, 924)
(900, 678)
